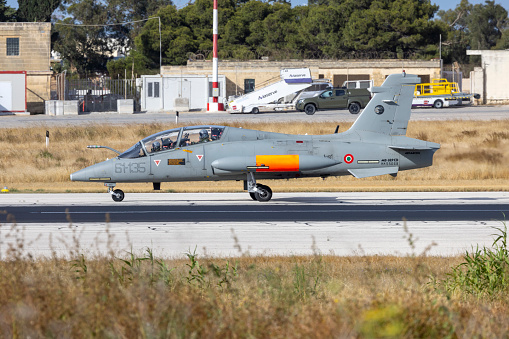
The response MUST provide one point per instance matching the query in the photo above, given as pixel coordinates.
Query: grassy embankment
(474, 156)
(139, 296)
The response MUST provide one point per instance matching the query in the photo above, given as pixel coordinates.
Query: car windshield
(135, 151)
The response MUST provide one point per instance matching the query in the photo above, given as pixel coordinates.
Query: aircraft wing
(371, 172)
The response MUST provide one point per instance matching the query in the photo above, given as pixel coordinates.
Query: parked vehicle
(292, 80)
(353, 99)
(440, 93)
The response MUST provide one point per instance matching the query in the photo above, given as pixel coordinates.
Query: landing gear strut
(116, 195)
(257, 191)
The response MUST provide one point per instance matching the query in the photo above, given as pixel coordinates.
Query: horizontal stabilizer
(371, 172)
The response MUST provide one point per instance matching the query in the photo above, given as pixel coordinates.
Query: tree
(130, 11)
(403, 27)
(87, 48)
(7, 14)
(176, 38)
(100, 28)
(485, 24)
(473, 27)
(36, 10)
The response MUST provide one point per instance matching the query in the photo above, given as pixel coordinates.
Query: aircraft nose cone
(81, 175)
(100, 170)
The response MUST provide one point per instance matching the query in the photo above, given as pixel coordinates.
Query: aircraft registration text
(132, 167)
(389, 162)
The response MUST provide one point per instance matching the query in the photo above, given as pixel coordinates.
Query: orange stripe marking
(278, 163)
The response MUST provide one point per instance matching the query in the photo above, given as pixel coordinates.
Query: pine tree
(36, 10)
(6, 12)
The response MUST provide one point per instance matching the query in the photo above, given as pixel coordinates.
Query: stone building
(26, 46)
(244, 76)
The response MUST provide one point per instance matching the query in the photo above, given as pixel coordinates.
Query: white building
(161, 93)
(491, 80)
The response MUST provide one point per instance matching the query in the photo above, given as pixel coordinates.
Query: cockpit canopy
(174, 138)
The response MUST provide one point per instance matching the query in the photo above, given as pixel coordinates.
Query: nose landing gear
(117, 195)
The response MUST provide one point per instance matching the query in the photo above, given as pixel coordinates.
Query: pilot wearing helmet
(156, 146)
(204, 136)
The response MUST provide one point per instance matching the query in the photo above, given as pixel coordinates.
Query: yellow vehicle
(439, 93)
(436, 87)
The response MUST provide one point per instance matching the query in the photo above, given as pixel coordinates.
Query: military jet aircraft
(375, 145)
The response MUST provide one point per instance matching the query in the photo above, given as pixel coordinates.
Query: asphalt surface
(194, 118)
(239, 208)
(254, 211)
(230, 224)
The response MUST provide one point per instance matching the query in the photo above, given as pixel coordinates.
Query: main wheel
(263, 193)
(354, 108)
(438, 104)
(255, 110)
(310, 109)
(252, 195)
(118, 195)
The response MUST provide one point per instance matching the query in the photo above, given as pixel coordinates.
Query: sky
(444, 4)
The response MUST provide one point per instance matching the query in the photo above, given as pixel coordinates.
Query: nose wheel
(116, 195)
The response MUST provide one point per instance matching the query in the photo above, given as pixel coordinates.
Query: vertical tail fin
(388, 111)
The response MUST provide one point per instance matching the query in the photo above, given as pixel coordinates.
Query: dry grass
(139, 296)
(473, 156)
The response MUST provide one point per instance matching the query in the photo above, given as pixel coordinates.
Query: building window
(156, 90)
(153, 89)
(149, 89)
(12, 46)
(249, 85)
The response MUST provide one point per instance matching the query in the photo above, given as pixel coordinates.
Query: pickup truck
(353, 99)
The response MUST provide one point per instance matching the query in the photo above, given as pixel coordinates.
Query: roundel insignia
(379, 109)
(348, 158)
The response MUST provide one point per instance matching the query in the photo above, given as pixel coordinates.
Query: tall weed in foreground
(485, 271)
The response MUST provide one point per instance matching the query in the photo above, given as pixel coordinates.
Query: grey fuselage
(375, 145)
(334, 155)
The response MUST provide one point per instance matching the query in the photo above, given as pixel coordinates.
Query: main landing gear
(117, 195)
(257, 191)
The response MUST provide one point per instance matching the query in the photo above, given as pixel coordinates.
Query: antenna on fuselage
(337, 130)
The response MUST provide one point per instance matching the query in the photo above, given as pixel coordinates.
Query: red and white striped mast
(215, 105)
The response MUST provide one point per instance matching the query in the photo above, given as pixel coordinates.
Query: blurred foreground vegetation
(137, 295)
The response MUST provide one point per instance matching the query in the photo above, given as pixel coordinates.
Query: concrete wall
(61, 107)
(34, 57)
(491, 80)
(266, 71)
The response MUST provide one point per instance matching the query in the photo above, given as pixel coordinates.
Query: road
(193, 118)
(224, 224)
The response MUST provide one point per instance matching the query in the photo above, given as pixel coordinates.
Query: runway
(232, 224)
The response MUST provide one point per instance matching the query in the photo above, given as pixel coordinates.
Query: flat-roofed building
(26, 47)
(245, 76)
